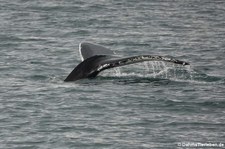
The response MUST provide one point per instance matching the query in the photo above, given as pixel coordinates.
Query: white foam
(153, 69)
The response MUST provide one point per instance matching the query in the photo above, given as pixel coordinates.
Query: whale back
(88, 50)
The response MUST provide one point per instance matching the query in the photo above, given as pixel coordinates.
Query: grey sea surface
(147, 105)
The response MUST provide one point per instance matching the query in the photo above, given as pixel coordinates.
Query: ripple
(153, 105)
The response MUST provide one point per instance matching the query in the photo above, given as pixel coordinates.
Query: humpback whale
(96, 58)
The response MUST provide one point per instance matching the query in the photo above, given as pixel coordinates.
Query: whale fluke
(96, 58)
(89, 49)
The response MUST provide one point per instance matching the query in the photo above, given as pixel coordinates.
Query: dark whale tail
(96, 58)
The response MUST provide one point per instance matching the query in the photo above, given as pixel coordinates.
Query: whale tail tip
(88, 50)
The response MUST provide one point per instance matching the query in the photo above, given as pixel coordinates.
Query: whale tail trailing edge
(96, 58)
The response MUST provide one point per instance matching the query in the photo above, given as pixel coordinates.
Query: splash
(161, 70)
(155, 69)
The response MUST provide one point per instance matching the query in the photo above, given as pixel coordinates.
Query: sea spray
(117, 71)
(153, 69)
(159, 70)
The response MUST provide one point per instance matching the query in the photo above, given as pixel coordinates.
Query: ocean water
(148, 105)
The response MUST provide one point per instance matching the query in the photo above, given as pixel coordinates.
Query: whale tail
(96, 58)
